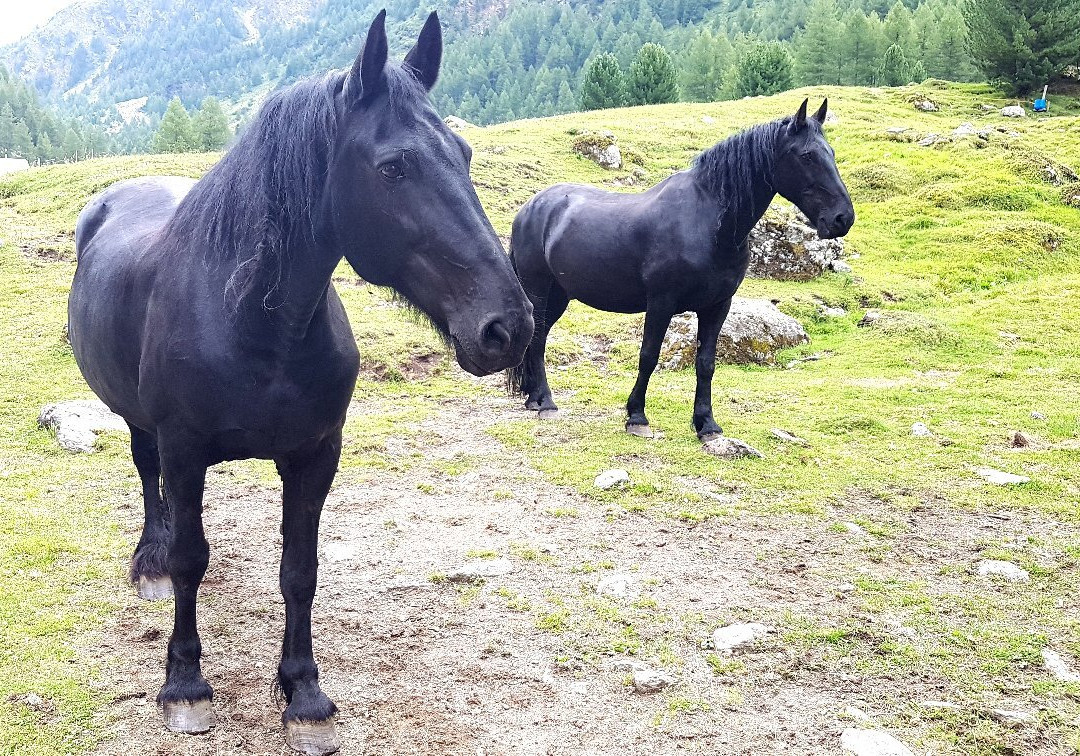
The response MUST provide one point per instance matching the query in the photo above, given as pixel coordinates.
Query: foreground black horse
(203, 314)
(679, 246)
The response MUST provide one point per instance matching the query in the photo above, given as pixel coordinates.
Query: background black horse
(679, 246)
(203, 313)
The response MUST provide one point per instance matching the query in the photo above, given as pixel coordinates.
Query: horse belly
(601, 277)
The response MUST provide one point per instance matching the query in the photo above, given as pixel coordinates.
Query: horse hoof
(642, 431)
(532, 404)
(312, 738)
(548, 414)
(707, 437)
(191, 717)
(154, 588)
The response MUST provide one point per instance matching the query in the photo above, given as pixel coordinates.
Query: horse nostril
(494, 337)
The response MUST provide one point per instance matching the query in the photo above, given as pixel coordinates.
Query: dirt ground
(423, 666)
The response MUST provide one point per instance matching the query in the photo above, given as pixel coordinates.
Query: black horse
(681, 245)
(203, 313)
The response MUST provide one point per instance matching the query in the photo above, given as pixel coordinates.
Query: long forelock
(258, 202)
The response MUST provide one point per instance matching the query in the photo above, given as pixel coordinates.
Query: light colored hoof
(642, 431)
(191, 717)
(154, 589)
(312, 738)
(710, 437)
(548, 414)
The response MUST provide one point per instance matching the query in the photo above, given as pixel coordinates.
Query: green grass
(971, 255)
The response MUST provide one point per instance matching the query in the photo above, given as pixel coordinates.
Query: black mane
(254, 208)
(731, 168)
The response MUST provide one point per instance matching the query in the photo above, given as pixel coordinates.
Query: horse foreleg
(309, 716)
(149, 570)
(656, 325)
(185, 696)
(709, 324)
(534, 384)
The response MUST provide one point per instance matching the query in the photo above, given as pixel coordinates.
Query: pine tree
(1023, 43)
(603, 86)
(210, 127)
(917, 72)
(894, 69)
(652, 78)
(897, 27)
(702, 70)
(175, 132)
(764, 69)
(818, 58)
(860, 44)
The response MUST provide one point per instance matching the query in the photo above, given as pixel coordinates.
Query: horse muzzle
(497, 343)
(835, 225)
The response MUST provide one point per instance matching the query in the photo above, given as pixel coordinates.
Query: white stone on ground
(788, 436)
(1014, 111)
(855, 529)
(1000, 477)
(730, 448)
(1012, 718)
(651, 680)
(730, 637)
(833, 312)
(872, 743)
(480, 570)
(1057, 666)
(611, 478)
(854, 712)
(999, 568)
(77, 423)
(920, 430)
(616, 586)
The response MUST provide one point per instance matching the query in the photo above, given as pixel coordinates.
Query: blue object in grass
(1040, 106)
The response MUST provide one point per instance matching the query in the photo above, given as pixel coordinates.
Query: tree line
(29, 130)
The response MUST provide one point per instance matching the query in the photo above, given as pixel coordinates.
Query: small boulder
(648, 681)
(927, 106)
(730, 448)
(1057, 666)
(839, 266)
(862, 742)
(77, 423)
(755, 330)
(965, 129)
(1011, 718)
(611, 478)
(601, 148)
(1014, 111)
(784, 247)
(1002, 569)
(929, 140)
(616, 586)
(791, 438)
(458, 124)
(1000, 477)
(920, 430)
(730, 637)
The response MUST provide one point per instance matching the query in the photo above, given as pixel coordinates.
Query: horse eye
(807, 157)
(392, 170)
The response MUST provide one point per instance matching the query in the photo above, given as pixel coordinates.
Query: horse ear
(819, 116)
(800, 116)
(366, 76)
(426, 56)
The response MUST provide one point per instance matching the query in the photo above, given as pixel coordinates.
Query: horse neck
(742, 200)
(741, 222)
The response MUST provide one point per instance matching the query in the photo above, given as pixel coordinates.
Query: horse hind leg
(149, 569)
(534, 381)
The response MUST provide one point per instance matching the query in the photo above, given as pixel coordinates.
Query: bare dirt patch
(525, 663)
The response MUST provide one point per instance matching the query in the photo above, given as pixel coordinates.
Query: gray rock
(1000, 477)
(869, 318)
(611, 478)
(901, 134)
(728, 638)
(1012, 718)
(872, 743)
(708, 119)
(791, 438)
(929, 140)
(855, 529)
(77, 423)
(784, 247)
(857, 714)
(755, 330)
(730, 448)
(458, 124)
(999, 568)
(839, 266)
(616, 586)
(833, 312)
(481, 570)
(1036, 415)
(601, 148)
(1057, 666)
(651, 680)
(987, 108)
(965, 129)
(927, 106)
(920, 430)
(1014, 111)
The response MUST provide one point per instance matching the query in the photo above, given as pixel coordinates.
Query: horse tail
(516, 374)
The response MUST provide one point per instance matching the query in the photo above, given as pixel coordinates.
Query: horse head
(804, 172)
(404, 211)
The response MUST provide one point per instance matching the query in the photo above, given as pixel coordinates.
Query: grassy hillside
(967, 248)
